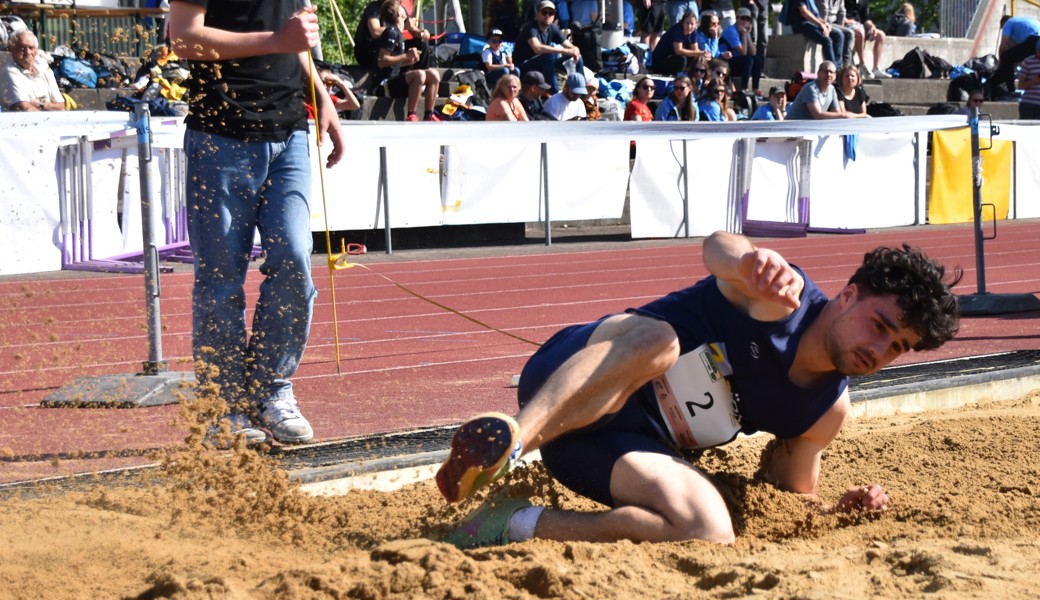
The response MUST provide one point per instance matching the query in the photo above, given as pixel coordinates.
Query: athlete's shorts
(584, 459)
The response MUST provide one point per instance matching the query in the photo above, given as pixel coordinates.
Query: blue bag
(75, 72)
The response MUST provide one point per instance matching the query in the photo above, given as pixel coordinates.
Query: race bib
(696, 401)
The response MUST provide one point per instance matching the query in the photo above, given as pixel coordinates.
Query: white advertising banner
(657, 187)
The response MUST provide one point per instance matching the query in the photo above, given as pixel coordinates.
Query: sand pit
(964, 523)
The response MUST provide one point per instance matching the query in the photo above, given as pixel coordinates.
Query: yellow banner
(950, 198)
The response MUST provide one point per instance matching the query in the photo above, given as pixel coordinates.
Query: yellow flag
(950, 198)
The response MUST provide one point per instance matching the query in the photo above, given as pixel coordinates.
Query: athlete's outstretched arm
(756, 280)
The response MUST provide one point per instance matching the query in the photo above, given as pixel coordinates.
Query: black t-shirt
(522, 50)
(258, 98)
(365, 47)
(392, 40)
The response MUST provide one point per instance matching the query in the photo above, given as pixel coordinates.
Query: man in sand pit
(756, 346)
(249, 170)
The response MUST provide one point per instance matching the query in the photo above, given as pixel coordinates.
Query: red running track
(406, 363)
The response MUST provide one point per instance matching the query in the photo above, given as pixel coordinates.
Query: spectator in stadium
(677, 8)
(851, 93)
(857, 16)
(651, 21)
(722, 9)
(803, 17)
(834, 13)
(505, 101)
(1029, 83)
(533, 91)
(567, 105)
(976, 98)
(1018, 41)
(776, 110)
(708, 33)
(679, 105)
(818, 99)
(715, 106)
(676, 47)
(497, 62)
(370, 29)
(503, 15)
(744, 61)
(342, 94)
(542, 47)
(398, 68)
(638, 108)
(904, 22)
(26, 83)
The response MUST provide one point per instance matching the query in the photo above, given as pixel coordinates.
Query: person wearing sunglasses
(715, 105)
(776, 110)
(708, 33)
(679, 105)
(677, 46)
(818, 99)
(638, 108)
(497, 61)
(542, 47)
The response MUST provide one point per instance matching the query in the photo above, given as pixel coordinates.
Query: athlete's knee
(710, 526)
(654, 342)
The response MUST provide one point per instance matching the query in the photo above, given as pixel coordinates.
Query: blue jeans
(676, 8)
(832, 46)
(234, 189)
(548, 65)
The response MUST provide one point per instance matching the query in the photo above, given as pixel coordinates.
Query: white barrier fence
(71, 193)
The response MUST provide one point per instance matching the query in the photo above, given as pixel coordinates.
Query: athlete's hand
(866, 497)
(299, 34)
(770, 278)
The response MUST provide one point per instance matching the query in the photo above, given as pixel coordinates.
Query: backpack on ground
(587, 41)
(73, 72)
(912, 65)
(476, 82)
(744, 104)
(939, 67)
(962, 87)
(616, 60)
(983, 66)
(111, 71)
(883, 109)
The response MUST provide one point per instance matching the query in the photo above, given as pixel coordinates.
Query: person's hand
(413, 55)
(826, 28)
(299, 34)
(328, 123)
(771, 278)
(726, 55)
(866, 497)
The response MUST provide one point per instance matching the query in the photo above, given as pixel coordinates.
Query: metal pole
(142, 120)
(686, 191)
(976, 198)
(545, 190)
(386, 199)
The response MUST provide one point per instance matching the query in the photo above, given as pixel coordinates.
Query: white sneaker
(864, 72)
(881, 74)
(286, 423)
(222, 434)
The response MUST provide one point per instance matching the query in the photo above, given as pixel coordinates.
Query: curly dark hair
(919, 283)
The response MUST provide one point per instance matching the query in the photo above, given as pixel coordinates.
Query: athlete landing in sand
(756, 346)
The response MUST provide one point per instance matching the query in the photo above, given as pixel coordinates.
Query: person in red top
(638, 109)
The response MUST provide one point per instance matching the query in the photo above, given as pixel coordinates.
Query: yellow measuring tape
(339, 262)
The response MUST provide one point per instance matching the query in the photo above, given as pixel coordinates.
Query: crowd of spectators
(705, 61)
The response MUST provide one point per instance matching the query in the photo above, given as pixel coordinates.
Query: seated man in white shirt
(566, 105)
(25, 83)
